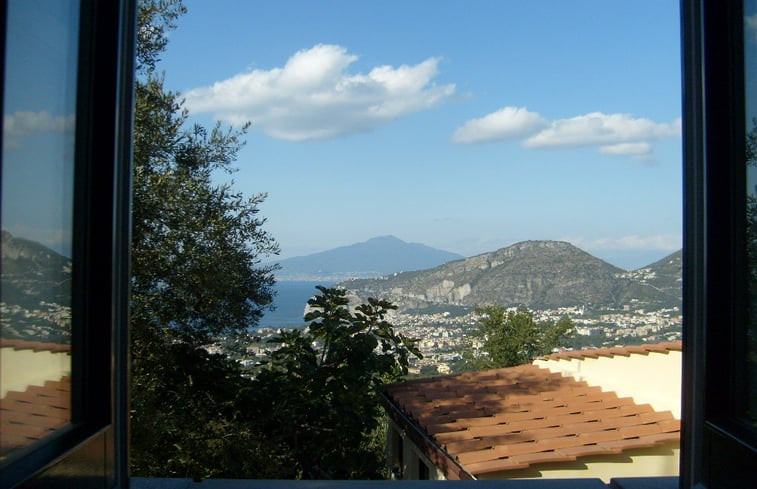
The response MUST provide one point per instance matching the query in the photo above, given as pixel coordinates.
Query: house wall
(653, 379)
(653, 462)
(411, 456)
(22, 368)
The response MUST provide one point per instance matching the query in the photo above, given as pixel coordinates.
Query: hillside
(665, 274)
(538, 274)
(375, 257)
(36, 291)
(32, 273)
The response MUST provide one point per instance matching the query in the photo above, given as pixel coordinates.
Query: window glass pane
(750, 70)
(39, 108)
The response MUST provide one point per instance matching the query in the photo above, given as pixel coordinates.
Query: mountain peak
(540, 274)
(381, 255)
(543, 244)
(386, 238)
(546, 248)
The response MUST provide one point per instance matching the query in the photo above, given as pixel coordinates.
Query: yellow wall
(657, 462)
(22, 368)
(650, 379)
(412, 456)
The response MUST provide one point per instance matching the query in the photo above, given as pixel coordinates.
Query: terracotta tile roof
(617, 351)
(510, 418)
(27, 416)
(17, 344)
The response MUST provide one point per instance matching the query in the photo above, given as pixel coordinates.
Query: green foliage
(154, 19)
(195, 277)
(313, 411)
(196, 245)
(190, 418)
(508, 338)
(318, 395)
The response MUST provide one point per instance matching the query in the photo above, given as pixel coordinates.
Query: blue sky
(467, 126)
(38, 123)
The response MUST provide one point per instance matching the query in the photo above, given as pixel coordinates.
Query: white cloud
(313, 96)
(633, 149)
(506, 123)
(597, 128)
(616, 134)
(633, 242)
(24, 123)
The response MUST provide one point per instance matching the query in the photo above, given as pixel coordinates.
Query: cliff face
(538, 274)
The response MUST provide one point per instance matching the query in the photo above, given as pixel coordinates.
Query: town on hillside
(607, 305)
(443, 336)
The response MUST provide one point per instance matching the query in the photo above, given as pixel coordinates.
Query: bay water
(290, 300)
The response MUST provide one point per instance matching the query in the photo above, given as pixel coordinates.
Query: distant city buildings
(443, 336)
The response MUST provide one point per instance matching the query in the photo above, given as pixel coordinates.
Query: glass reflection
(750, 100)
(39, 107)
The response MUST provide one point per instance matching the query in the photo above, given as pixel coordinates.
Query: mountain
(664, 274)
(31, 272)
(377, 256)
(25, 254)
(36, 291)
(538, 274)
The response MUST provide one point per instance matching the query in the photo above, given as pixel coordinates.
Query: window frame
(93, 450)
(717, 450)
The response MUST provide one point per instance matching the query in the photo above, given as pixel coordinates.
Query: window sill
(621, 483)
(644, 483)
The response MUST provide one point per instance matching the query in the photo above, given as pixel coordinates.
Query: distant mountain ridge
(36, 291)
(378, 256)
(32, 272)
(537, 274)
(30, 253)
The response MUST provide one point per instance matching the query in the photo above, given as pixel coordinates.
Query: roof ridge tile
(643, 349)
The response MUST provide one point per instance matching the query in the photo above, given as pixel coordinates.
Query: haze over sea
(290, 301)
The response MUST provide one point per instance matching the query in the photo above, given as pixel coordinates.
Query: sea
(290, 301)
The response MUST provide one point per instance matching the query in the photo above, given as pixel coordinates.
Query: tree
(196, 277)
(319, 393)
(508, 338)
(197, 282)
(196, 245)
